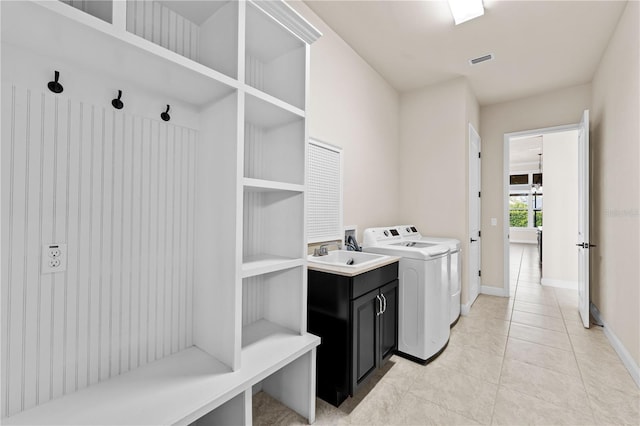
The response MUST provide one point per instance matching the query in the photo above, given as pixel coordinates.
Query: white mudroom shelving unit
(185, 283)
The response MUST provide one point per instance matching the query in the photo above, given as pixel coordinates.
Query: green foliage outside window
(518, 219)
(518, 214)
(538, 217)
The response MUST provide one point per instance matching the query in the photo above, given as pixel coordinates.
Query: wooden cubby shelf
(264, 263)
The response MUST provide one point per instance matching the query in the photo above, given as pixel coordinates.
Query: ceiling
(524, 152)
(538, 45)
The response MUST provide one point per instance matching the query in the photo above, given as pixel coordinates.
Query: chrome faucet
(322, 250)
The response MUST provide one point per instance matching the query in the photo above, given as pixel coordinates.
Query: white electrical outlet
(54, 258)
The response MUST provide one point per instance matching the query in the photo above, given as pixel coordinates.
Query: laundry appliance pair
(429, 275)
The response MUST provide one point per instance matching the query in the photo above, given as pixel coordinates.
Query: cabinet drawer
(364, 283)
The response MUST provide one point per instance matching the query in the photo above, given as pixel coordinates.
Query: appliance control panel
(409, 231)
(377, 236)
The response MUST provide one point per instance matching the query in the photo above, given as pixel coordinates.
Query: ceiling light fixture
(465, 10)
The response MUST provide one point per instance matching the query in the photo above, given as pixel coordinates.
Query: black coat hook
(54, 86)
(165, 115)
(117, 103)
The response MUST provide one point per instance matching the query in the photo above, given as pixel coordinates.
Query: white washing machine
(423, 306)
(411, 233)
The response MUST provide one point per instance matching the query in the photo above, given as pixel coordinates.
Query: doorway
(541, 206)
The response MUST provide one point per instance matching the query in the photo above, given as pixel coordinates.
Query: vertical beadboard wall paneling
(119, 190)
(7, 151)
(254, 73)
(209, 38)
(99, 8)
(159, 24)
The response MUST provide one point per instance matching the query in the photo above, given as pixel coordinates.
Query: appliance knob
(386, 233)
(408, 229)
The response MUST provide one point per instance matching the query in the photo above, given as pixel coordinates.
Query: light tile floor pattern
(522, 360)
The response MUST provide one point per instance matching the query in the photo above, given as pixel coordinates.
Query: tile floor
(522, 360)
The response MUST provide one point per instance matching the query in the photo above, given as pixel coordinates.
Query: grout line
(504, 353)
(573, 351)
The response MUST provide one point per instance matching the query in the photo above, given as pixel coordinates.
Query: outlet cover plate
(54, 258)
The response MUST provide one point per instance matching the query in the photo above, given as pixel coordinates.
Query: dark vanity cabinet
(357, 319)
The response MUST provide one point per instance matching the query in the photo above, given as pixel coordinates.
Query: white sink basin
(348, 259)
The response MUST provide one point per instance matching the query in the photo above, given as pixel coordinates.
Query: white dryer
(411, 233)
(423, 306)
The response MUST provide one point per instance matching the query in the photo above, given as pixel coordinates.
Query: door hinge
(479, 156)
(478, 194)
(479, 273)
(479, 233)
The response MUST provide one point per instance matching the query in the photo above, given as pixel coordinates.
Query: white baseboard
(549, 282)
(622, 352)
(493, 291)
(465, 308)
(511, 240)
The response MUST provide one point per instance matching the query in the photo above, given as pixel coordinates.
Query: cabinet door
(389, 321)
(365, 336)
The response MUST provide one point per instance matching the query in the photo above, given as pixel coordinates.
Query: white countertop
(351, 271)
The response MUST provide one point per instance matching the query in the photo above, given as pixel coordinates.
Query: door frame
(505, 195)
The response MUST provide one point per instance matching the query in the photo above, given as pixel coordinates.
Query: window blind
(324, 189)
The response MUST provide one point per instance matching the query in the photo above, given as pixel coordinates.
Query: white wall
(523, 235)
(354, 108)
(615, 155)
(560, 208)
(433, 154)
(556, 108)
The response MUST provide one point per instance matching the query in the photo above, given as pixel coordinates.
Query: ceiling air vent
(479, 59)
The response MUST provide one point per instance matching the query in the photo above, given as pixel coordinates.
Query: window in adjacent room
(519, 210)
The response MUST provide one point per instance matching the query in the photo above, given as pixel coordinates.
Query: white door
(474, 214)
(583, 219)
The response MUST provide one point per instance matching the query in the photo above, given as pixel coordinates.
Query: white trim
(506, 183)
(325, 145)
(289, 19)
(623, 353)
(542, 131)
(493, 291)
(550, 282)
(465, 309)
(523, 242)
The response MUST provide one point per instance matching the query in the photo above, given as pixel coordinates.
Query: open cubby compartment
(203, 31)
(294, 385)
(274, 142)
(275, 59)
(273, 224)
(236, 411)
(273, 304)
(101, 9)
